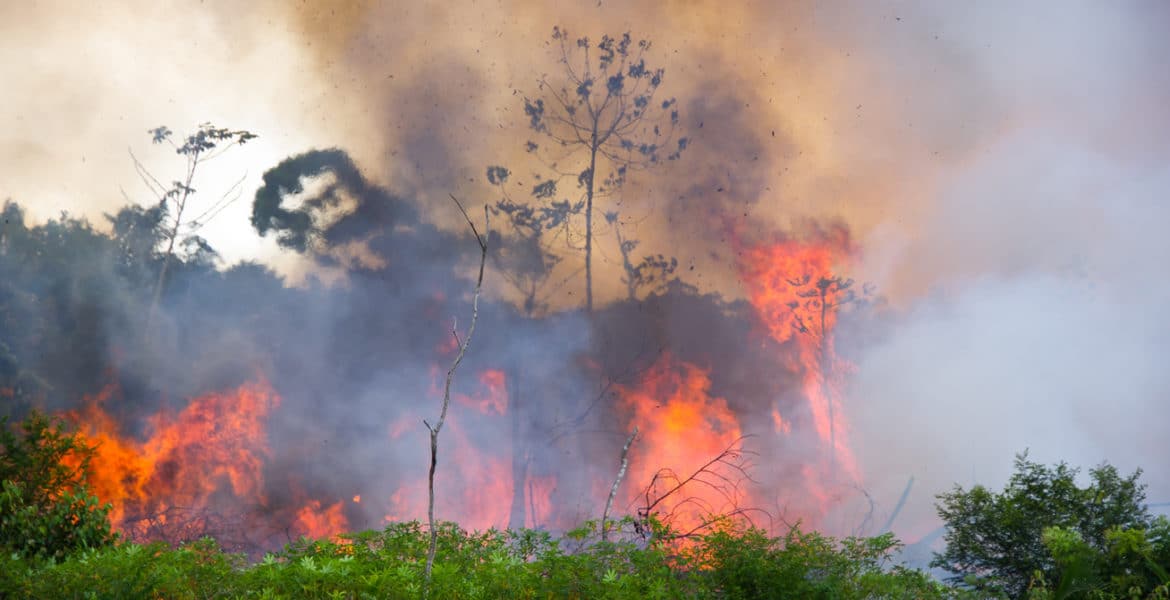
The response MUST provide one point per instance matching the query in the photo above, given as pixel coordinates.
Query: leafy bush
(1135, 563)
(1040, 526)
(494, 564)
(808, 565)
(45, 509)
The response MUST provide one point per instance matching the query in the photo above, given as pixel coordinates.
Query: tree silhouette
(603, 121)
(653, 272)
(206, 143)
(812, 315)
(525, 258)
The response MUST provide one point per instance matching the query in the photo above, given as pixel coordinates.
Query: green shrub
(45, 509)
(750, 564)
(996, 540)
(726, 564)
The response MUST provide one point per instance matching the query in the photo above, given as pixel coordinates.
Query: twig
(152, 183)
(733, 451)
(434, 430)
(617, 481)
(728, 486)
(898, 507)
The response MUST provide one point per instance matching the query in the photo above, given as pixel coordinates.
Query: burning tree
(798, 297)
(812, 315)
(601, 117)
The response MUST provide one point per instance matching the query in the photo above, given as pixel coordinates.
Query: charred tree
(602, 120)
(525, 258)
(520, 452)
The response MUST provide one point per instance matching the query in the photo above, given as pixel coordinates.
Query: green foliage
(491, 564)
(45, 509)
(809, 565)
(130, 571)
(1042, 523)
(1133, 564)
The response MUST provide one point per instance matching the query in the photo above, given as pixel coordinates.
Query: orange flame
(215, 445)
(792, 287)
(682, 429)
(314, 522)
(194, 465)
(476, 485)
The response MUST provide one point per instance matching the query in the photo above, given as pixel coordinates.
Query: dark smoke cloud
(1001, 167)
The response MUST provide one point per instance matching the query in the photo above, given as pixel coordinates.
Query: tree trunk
(589, 221)
(519, 452)
(825, 366)
(162, 273)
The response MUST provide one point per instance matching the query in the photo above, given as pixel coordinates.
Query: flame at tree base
(199, 472)
(686, 463)
(792, 287)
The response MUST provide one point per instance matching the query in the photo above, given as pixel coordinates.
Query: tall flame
(792, 286)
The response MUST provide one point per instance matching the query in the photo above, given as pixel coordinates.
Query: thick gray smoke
(1031, 312)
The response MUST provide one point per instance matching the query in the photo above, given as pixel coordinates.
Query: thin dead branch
(726, 475)
(434, 430)
(617, 481)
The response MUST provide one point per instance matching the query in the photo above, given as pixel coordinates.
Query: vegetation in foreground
(1043, 537)
(492, 564)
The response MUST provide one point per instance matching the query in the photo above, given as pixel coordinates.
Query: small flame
(781, 425)
(314, 522)
(493, 395)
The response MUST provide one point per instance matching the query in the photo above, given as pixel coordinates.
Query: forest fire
(202, 469)
(664, 276)
(681, 466)
(792, 287)
(197, 472)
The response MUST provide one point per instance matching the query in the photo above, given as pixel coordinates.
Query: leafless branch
(148, 179)
(229, 197)
(434, 430)
(617, 481)
(725, 474)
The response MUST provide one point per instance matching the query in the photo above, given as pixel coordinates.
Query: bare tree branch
(727, 485)
(617, 481)
(434, 430)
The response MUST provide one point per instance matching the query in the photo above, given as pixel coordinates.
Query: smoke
(1048, 334)
(1000, 166)
(1030, 303)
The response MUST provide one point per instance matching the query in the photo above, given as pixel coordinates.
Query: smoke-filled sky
(1001, 165)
